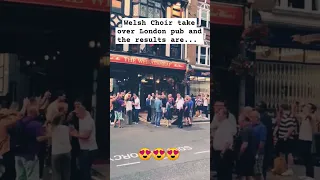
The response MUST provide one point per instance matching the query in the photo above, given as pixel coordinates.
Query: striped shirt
(287, 122)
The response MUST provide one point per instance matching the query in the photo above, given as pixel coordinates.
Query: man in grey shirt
(153, 109)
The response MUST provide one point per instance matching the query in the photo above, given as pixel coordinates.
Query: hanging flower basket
(242, 66)
(256, 33)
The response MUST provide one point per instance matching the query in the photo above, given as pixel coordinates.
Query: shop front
(144, 76)
(227, 24)
(199, 82)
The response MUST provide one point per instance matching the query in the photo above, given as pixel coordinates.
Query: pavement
(143, 118)
(193, 143)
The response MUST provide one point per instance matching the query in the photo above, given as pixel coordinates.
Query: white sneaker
(112, 123)
(289, 172)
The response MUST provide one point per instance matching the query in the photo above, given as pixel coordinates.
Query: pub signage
(226, 14)
(134, 60)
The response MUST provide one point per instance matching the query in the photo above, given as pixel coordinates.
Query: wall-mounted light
(158, 81)
(28, 63)
(54, 58)
(144, 81)
(46, 57)
(92, 44)
(58, 52)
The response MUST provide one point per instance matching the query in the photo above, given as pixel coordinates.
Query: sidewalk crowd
(127, 106)
(45, 133)
(256, 142)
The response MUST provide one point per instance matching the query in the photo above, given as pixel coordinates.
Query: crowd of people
(249, 145)
(44, 132)
(126, 105)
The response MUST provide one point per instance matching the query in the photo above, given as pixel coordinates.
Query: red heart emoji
(161, 152)
(155, 152)
(176, 152)
(141, 152)
(148, 152)
(169, 152)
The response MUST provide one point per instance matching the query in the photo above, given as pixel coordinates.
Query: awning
(284, 19)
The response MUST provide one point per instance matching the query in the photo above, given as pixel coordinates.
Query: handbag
(280, 165)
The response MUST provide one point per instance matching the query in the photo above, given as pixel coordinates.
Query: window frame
(148, 5)
(201, 8)
(198, 54)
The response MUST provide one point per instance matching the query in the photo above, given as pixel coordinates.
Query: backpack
(21, 137)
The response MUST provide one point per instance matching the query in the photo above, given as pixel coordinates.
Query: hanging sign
(306, 39)
(93, 5)
(226, 14)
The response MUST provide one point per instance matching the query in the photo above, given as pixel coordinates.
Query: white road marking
(201, 152)
(201, 122)
(166, 158)
(127, 164)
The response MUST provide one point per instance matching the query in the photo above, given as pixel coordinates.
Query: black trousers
(9, 164)
(306, 154)
(224, 164)
(149, 114)
(179, 120)
(205, 110)
(42, 156)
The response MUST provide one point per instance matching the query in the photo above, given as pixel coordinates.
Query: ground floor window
(199, 85)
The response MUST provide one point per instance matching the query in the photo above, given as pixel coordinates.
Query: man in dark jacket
(267, 121)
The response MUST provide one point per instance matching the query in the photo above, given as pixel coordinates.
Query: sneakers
(289, 172)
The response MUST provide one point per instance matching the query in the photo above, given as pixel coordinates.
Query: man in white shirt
(222, 145)
(179, 106)
(137, 108)
(52, 109)
(87, 141)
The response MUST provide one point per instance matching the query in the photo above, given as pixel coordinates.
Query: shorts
(285, 147)
(245, 165)
(258, 166)
(118, 116)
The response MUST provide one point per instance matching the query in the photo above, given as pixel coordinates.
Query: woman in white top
(205, 105)
(61, 148)
(129, 108)
(306, 131)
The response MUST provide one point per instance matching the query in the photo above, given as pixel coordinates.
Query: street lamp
(46, 57)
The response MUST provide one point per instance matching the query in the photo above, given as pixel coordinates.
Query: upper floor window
(204, 15)
(150, 8)
(175, 51)
(113, 45)
(203, 55)
(116, 6)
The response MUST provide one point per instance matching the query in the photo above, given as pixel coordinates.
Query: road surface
(193, 142)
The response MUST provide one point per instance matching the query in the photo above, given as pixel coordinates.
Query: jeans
(9, 164)
(129, 114)
(158, 118)
(179, 120)
(61, 166)
(149, 113)
(85, 161)
(27, 169)
(136, 115)
(153, 115)
(306, 155)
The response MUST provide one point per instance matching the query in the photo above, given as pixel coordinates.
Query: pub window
(175, 51)
(113, 45)
(116, 6)
(150, 8)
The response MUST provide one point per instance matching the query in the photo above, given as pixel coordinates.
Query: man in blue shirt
(158, 107)
(260, 137)
(190, 106)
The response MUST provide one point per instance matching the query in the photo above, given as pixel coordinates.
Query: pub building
(49, 45)
(227, 24)
(288, 63)
(146, 69)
